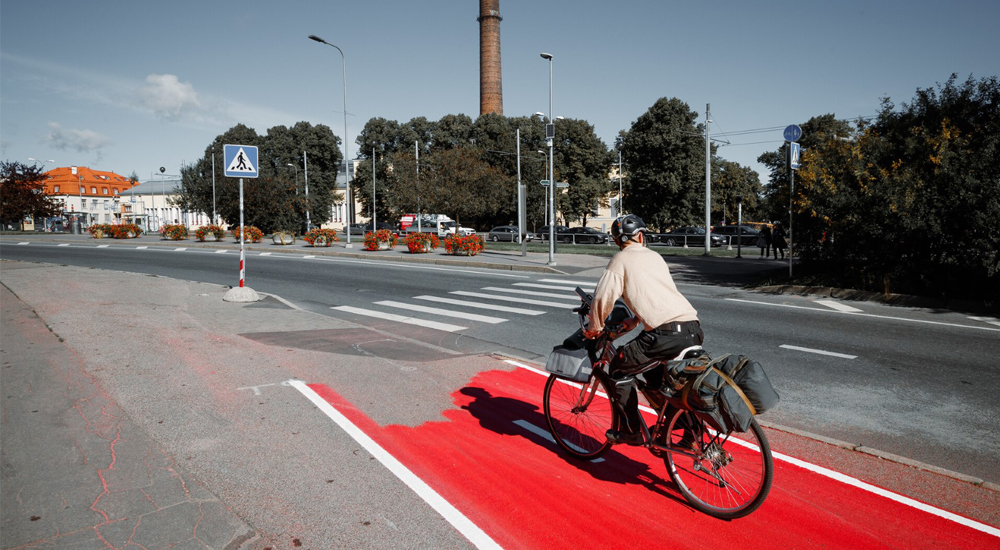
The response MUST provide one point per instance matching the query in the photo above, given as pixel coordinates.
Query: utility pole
(708, 180)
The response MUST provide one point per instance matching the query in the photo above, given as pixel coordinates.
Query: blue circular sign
(793, 133)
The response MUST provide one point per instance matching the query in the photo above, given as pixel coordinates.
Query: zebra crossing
(490, 305)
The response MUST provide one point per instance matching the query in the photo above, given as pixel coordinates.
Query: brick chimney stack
(490, 88)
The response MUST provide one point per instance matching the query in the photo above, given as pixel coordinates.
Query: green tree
(664, 157)
(731, 182)
(22, 195)
(584, 162)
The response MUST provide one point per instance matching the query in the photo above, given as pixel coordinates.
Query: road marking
(64, 244)
(479, 305)
(102, 246)
(866, 315)
(819, 351)
(990, 320)
(512, 299)
(584, 284)
(264, 254)
(848, 480)
(221, 251)
(445, 312)
(307, 257)
(550, 287)
(451, 514)
(530, 293)
(179, 249)
(141, 247)
(23, 243)
(838, 306)
(400, 319)
(548, 436)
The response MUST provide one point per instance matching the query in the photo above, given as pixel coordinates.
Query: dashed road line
(819, 351)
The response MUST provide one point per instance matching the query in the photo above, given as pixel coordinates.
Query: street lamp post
(347, 173)
(739, 226)
(550, 134)
(215, 217)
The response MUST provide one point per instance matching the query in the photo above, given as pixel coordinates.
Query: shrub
(375, 239)
(124, 231)
(175, 232)
(469, 245)
(320, 237)
(419, 243)
(251, 234)
(205, 230)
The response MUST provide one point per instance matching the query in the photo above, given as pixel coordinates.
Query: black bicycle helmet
(626, 227)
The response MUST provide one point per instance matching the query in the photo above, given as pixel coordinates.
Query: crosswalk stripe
(551, 287)
(512, 299)
(479, 305)
(584, 284)
(399, 318)
(439, 311)
(530, 293)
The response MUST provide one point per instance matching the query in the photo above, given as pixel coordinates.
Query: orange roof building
(82, 181)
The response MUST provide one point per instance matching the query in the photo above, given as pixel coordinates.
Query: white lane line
(23, 243)
(307, 257)
(819, 351)
(102, 246)
(584, 284)
(451, 514)
(399, 318)
(264, 254)
(512, 299)
(865, 315)
(848, 480)
(550, 287)
(548, 436)
(179, 249)
(479, 305)
(990, 320)
(141, 247)
(444, 312)
(530, 293)
(64, 244)
(221, 251)
(833, 304)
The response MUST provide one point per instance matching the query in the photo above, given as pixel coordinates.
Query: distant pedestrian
(778, 241)
(764, 242)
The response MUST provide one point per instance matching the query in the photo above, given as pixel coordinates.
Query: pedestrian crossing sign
(240, 161)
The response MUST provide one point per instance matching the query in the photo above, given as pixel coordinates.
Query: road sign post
(792, 134)
(241, 162)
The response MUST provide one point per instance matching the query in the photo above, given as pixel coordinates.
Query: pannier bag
(567, 362)
(735, 388)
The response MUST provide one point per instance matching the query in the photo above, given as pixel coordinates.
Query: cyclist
(640, 277)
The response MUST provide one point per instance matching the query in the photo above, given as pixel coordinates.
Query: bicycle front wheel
(730, 474)
(579, 414)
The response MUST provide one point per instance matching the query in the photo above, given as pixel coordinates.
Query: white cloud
(83, 141)
(167, 96)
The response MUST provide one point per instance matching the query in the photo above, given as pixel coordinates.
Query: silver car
(507, 233)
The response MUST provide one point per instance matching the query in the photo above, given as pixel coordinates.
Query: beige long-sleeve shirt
(642, 280)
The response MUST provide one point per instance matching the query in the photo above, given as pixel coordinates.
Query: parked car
(744, 234)
(508, 233)
(362, 228)
(582, 235)
(691, 236)
(543, 232)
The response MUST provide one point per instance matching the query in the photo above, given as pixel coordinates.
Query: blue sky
(134, 85)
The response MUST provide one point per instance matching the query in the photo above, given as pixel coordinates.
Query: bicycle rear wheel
(579, 414)
(731, 475)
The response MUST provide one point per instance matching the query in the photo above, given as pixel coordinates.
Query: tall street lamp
(349, 206)
(550, 135)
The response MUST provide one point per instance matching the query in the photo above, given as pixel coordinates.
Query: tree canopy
(22, 194)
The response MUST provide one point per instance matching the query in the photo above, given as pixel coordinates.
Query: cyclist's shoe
(616, 437)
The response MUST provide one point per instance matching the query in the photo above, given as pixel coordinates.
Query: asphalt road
(916, 383)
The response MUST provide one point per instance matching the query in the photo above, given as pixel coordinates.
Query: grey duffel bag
(569, 363)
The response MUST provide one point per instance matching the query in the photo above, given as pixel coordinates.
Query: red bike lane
(494, 463)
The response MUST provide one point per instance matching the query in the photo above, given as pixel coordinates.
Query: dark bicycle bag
(567, 362)
(734, 388)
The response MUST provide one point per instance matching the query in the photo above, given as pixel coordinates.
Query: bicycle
(725, 474)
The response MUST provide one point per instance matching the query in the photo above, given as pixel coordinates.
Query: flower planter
(320, 237)
(283, 238)
(383, 239)
(421, 243)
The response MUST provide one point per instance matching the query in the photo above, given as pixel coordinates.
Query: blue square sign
(240, 161)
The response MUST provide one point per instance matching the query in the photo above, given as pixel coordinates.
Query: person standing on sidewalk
(778, 241)
(764, 241)
(641, 278)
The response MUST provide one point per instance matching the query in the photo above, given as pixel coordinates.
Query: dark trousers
(660, 344)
